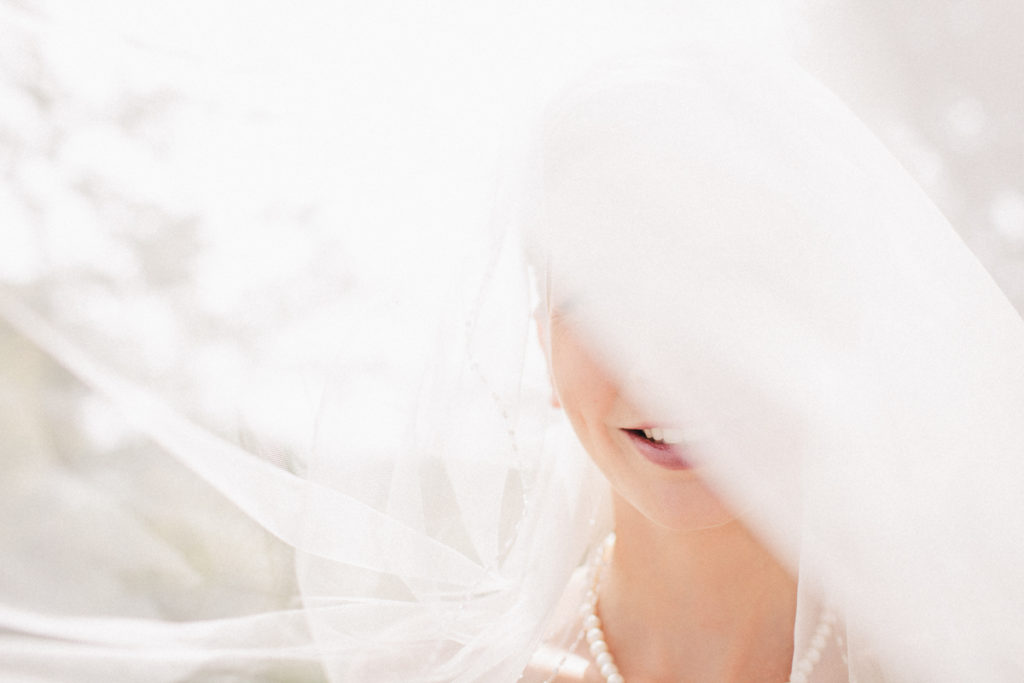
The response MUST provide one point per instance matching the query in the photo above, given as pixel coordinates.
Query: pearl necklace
(591, 623)
(603, 658)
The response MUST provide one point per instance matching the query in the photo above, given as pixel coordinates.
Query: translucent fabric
(437, 562)
(754, 266)
(744, 258)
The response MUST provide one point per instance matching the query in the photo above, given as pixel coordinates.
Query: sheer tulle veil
(744, 257)
(752, 263)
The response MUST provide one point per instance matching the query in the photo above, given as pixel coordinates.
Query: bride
(801, 394)
(685, 591)
(763, 337)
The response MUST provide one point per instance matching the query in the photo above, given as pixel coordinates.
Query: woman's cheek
(585, 390)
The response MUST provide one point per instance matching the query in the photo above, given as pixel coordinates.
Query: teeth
(665, 435)
(673, 435)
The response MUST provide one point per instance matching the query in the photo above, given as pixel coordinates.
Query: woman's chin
(680, 506)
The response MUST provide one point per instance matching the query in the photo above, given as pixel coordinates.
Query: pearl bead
(594, 635)
(608, 670)
(591, 621)
(798, 677)
(616, 678)
(818, 642)
(598, 647)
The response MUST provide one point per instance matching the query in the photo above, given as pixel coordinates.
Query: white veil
(755, 266)
(747, 257)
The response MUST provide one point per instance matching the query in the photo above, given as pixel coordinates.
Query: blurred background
(243, 206)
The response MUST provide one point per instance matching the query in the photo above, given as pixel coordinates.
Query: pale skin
(690, 594)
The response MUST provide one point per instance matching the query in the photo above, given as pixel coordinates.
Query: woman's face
(650, 473)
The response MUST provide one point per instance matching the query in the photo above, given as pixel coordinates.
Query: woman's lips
(667, 455)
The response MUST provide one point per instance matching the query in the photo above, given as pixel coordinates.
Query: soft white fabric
(754, 265)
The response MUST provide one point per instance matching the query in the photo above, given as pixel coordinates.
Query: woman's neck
(708, 605)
